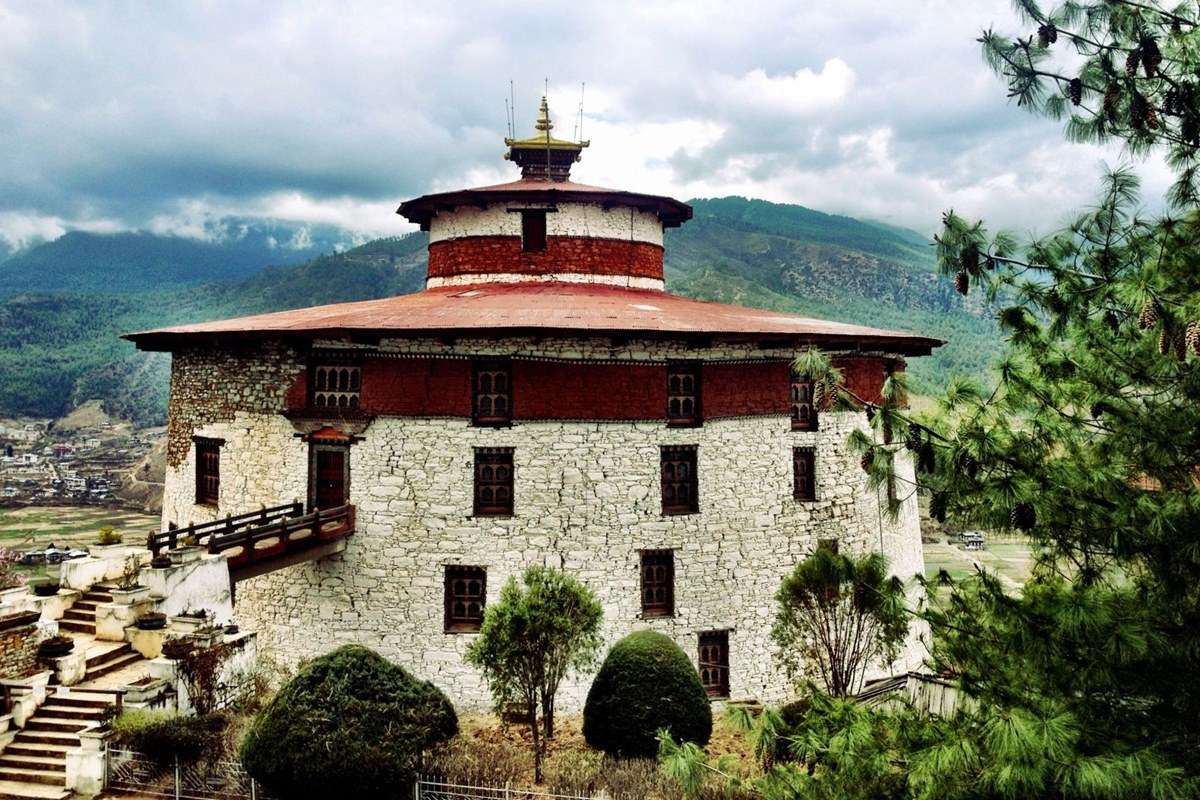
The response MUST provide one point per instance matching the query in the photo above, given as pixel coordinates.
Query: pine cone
(1181, 347)
(913, 439)
(968, 464)
(1149, 316)
(1139, 111)
(927, 458)
(1151, 57)
(962, 283)
(1173, 102)
(1023, 517)
(990, 263)
(968, 259)
(1075, 91)
(1191, 337)
(1047, 35)
(868, 459)
(1112, 98)
(1164, 342)
(1112, 320)
(1131, 63)
(937, 506)
(1189, 130)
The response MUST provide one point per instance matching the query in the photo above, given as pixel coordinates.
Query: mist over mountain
(64, 304)
(124, 263)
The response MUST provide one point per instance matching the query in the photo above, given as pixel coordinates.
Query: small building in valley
(544, 400)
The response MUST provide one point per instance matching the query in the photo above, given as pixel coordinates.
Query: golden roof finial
(543, 121)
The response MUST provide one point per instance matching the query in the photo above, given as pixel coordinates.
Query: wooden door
(329, 477)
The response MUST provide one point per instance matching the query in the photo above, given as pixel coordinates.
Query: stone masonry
(587, 500)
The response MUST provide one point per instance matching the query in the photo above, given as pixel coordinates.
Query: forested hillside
(59, 349)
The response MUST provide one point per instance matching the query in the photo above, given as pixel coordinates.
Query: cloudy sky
(162, 116)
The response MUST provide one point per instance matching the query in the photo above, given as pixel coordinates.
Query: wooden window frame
(490, 368)
(313, 449)
(348, 398)
(804, 491)
(533, 230)
(668, 454)
(208, 487)
(714, 675)
(650, 562)
(495, 456)
(677, 418)
(799, 386)
(463, 623)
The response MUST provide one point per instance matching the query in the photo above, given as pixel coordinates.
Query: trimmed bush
(164, 736)
(350, 724)
(646, 683)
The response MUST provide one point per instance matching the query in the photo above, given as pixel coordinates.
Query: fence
(427, 788)
(131, 771)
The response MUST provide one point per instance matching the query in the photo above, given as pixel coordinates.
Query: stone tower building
(543, 401)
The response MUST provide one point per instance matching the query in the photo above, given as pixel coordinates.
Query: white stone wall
(588, 220)
(587, 500)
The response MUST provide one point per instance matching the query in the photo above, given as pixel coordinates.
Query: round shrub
(350, 724)
(646, 683)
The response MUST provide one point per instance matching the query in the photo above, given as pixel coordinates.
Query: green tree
(544, 627)
(1087, 442)
(837, 614)
(350, 724)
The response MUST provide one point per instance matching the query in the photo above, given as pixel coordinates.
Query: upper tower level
(544, 227)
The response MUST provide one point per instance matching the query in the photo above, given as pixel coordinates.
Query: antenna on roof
(512, 101)
(508, 127)
(579, 118)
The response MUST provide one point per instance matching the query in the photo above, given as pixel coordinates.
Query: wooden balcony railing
(259, 536)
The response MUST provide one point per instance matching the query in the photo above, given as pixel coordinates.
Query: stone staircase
(34, 764)
(81, 616)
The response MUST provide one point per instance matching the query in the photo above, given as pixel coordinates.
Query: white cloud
(802, 92)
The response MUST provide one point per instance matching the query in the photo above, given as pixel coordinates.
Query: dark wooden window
(658, 583)
(329, 475)
(335, 386)
(828, 544)
(492, 403)
(679, 484)
(466, 596)
(533, 231)
(493, 481)
(208, 471)
(804, 409)
(683, 393)
(804, 476)
(714, 663)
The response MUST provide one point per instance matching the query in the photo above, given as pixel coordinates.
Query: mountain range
(63, 304)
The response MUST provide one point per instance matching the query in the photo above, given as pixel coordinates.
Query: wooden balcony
(266, 540)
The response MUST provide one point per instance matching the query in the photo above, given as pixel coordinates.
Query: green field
(1009, 558)
(35, 527)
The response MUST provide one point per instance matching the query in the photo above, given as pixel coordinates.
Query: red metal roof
(671, 211)
(568, 308)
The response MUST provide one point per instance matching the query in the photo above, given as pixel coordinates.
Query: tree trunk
(548, 716)
(537, 740)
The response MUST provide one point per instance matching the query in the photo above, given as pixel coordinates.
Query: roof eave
(169, 341)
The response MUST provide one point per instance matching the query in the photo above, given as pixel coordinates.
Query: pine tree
(1084, 684)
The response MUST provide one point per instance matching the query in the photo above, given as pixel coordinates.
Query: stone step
(48, 777)
(95, 598)
(85, 605)
(55, 724)
(100, 700)
(41, 763)
(38, 738)
(54, 709)
(11, 790)
(102, 653)
(79, 616)
(75, 626)
(112, 665)
(55, 751)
